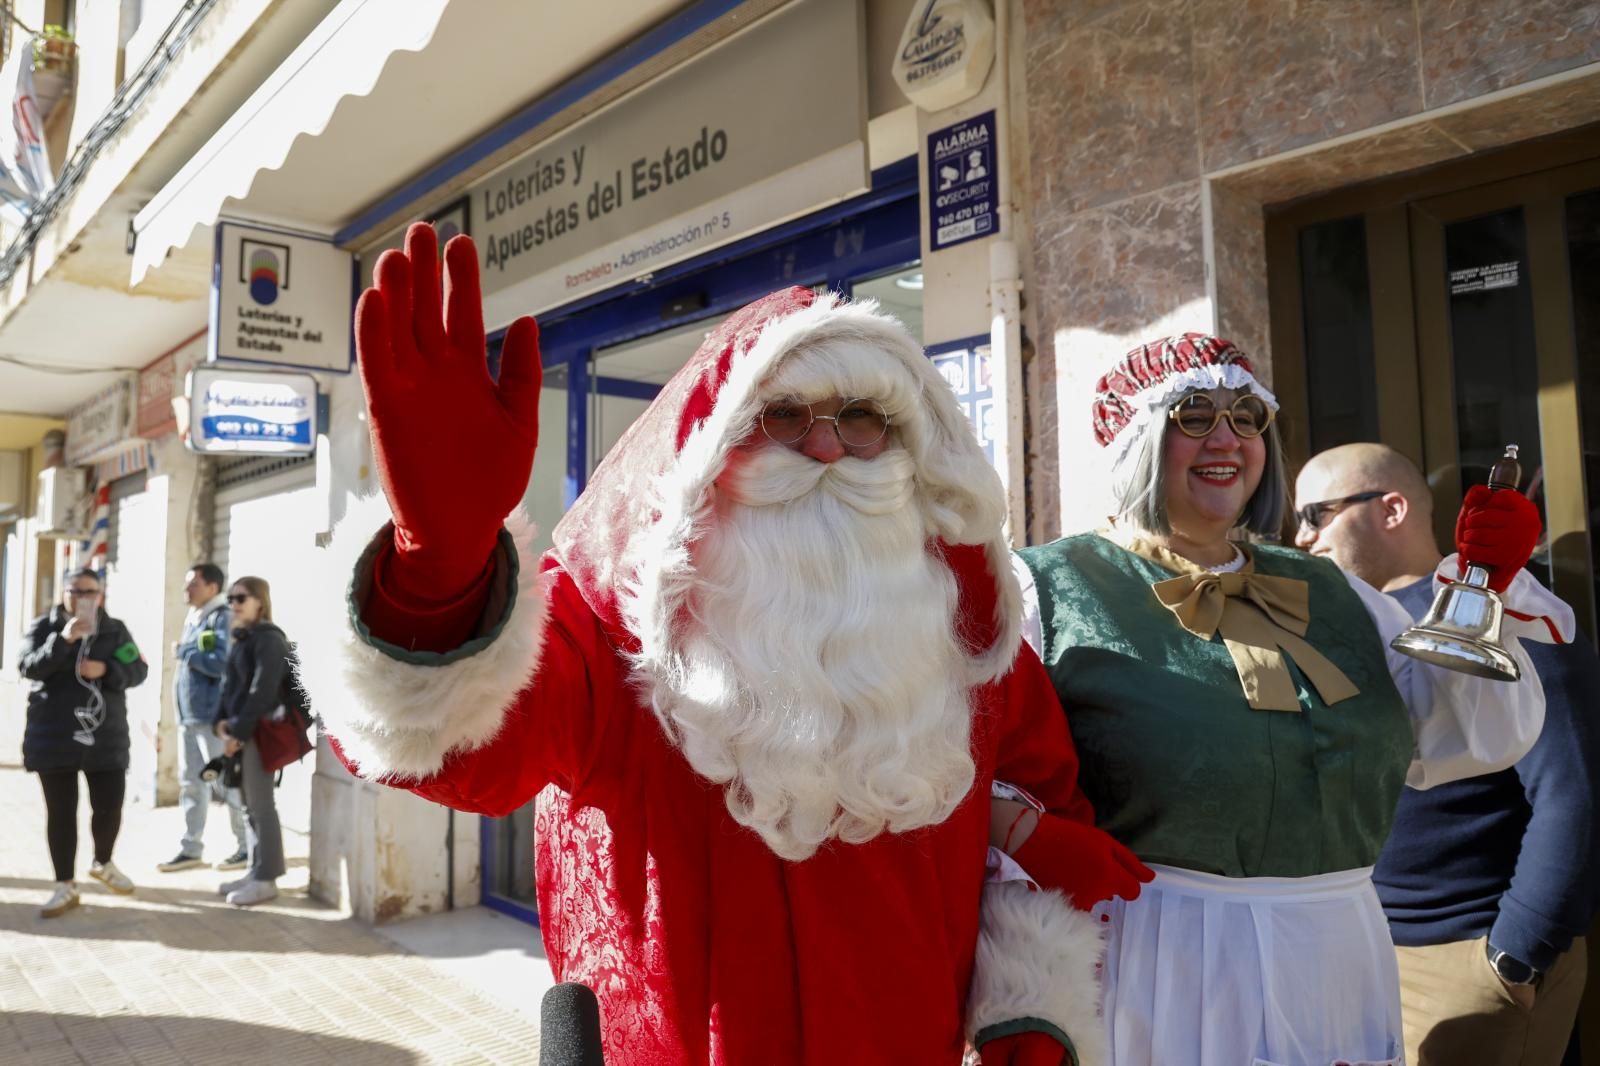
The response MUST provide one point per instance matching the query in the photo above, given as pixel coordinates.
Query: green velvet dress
(1178, 765)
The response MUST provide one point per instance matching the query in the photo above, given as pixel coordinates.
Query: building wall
(1158, 130)
(27, 558)
(153, 571)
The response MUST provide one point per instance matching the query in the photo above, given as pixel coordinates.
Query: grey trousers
(198, 745)
(261, 810)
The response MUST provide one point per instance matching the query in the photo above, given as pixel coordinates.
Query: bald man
(1488, 883)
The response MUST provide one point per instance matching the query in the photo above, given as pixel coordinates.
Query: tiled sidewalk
(173, 974)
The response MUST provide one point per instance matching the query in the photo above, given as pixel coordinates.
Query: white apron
(1204, 970)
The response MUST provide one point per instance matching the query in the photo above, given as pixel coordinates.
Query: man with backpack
(202, 655)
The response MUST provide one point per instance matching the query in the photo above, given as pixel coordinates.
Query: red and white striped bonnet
(1149, 379)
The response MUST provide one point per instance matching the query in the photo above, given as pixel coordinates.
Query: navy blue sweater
(1511, 854)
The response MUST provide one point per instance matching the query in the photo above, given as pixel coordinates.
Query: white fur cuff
(1037, 958)
(396, 719)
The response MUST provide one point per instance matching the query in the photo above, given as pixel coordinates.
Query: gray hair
(1142, 498)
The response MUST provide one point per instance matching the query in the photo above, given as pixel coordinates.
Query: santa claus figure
(760, 687)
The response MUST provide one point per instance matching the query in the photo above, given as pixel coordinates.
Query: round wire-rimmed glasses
(1197, 415)
(860, 422)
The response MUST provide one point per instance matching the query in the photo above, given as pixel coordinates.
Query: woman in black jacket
(253, 689)
(81, 661)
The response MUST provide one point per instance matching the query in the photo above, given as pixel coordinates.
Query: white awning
(343, 57)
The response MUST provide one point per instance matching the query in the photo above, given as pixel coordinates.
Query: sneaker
(180, 861)
(233, 886)
(253, 892)
(237, 861)
(62, 900)
(114, 879)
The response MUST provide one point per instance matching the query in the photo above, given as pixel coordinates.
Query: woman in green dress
(1244, 728)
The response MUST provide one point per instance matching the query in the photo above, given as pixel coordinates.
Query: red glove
(453, 449)
(1025, 1049)
(1085, 863)
(1497, 529)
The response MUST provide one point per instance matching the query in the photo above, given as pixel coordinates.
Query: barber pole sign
(100, 530)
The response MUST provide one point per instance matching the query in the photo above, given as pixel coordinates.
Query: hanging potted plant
(54, 51)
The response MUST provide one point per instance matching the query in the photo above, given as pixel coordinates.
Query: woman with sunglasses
(1244, 728)
(258, 673)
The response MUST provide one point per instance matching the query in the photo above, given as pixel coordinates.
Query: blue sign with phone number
(240, 427)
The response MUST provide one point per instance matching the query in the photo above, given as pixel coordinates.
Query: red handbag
(284, 737)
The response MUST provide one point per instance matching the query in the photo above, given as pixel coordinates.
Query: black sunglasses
(1313, 515)
(238, 597)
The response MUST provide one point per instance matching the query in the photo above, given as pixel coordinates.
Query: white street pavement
(172, 974)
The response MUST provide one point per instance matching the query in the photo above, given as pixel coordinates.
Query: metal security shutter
(246, 478)
(137, 594)
(122, 490)
(264, 523)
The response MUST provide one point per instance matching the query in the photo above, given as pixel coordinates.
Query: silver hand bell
(1461, 631)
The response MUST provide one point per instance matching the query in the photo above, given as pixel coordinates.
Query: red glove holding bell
(453, 448)
(1497, 529)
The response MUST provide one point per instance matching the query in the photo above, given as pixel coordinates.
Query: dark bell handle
(1506, 472)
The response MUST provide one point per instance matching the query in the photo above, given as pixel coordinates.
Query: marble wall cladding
(1043, 18)
(1568, 102)
(1041, 467)
(1118, 268)
(1393, 151)
(1473, 47)
(1277, 74)
(1239, 261)
(1108, 278)
(1118, 117)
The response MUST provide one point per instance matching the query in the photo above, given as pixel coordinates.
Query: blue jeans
(198, 745)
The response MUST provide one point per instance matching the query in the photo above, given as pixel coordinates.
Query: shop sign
(1483, 278)
(967, 372)
(945, 52)
(963, 184)
(282, 298)
(100, 424)
(695, 159)
(251, 412)
(157, 385)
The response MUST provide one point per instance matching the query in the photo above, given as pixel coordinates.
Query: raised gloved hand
(453, 449)
(1086, 864)
(1025, 1049)
(1497, 529)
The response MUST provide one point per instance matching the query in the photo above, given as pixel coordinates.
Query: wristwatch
(1512, 970)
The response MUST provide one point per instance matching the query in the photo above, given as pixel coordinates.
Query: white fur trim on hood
(1038, 957)
(398, 720)
(830, 346)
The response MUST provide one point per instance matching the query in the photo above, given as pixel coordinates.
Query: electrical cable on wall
(46, 368)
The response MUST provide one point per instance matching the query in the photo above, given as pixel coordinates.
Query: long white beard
(820, 677)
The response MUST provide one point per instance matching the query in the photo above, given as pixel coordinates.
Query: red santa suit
(703, 944)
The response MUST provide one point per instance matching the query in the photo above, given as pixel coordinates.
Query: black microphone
(569, 1027)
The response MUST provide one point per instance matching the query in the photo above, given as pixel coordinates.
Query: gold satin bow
(1260, 617)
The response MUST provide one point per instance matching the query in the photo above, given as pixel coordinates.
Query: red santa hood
(626, 541)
